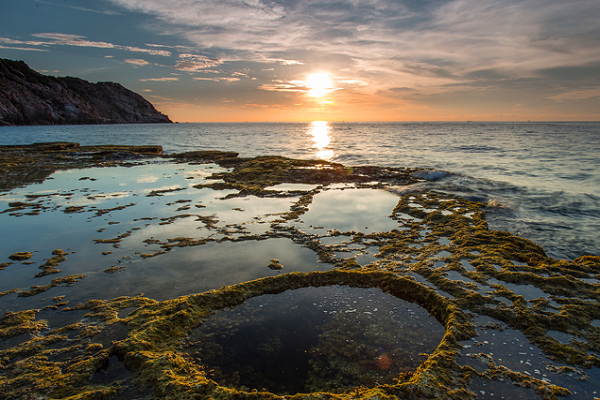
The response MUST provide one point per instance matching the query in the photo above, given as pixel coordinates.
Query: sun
(319, 84)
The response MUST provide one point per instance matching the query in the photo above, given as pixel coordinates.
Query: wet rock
(23, 255)
(275, 265)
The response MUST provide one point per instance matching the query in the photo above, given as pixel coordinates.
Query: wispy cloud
(577, 95)
(64, 39)
(169, 79)
(21, 48)
(136, 61)
(218, 79)
(286, 62)
(23, 42)
(285, 86)
(192, 62)
(106, 12)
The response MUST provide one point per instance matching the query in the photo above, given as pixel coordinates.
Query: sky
(324, 60)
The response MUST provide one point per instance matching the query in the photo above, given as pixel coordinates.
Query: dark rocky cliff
(30, 98)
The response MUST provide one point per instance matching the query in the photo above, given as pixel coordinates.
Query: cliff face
(30, 98)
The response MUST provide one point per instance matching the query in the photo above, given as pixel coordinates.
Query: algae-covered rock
(275, 264)
(158, 329)
(16, 323)
(23, 255)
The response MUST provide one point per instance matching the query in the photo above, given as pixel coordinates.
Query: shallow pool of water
(360, 210)
(315, 339)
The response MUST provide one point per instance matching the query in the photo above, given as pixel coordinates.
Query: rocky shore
(30, 98)
(135, 251)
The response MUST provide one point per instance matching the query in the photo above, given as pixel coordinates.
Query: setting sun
(319, 84)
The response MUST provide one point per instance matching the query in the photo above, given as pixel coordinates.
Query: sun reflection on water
(321, 136)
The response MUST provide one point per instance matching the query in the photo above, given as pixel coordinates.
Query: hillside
(30, 98)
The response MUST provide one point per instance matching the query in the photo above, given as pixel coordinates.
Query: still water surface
(543, 179)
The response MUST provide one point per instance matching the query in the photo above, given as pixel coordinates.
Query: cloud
(22, 48)
(212, 13)
(218, 79)
(401, 89)
(286, 62)
(389, 43)
(64, 39)
(136, 61)
(23, 42)
(577, 95)
(106, 12)
(285, 86)
(193, 63)
(169, 79)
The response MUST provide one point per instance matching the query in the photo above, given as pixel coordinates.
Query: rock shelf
(517, 322)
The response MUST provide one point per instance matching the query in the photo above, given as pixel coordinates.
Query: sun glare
(319, 84)
(321, 136)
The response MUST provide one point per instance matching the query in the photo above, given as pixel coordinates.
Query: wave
(431, 175)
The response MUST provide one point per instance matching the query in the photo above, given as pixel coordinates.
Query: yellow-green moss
(37, 289)
(158, 329)
(16, 323)
(23, 255)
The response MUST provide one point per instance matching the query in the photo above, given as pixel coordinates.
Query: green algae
(170, 220)
(503, 248)
(101, 212)
(73, 209)
(157, 330)
(114, 269)
(205, 156)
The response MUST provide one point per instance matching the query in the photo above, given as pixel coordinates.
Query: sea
(541, 180)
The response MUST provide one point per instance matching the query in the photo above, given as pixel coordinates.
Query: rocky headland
(30, 98)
